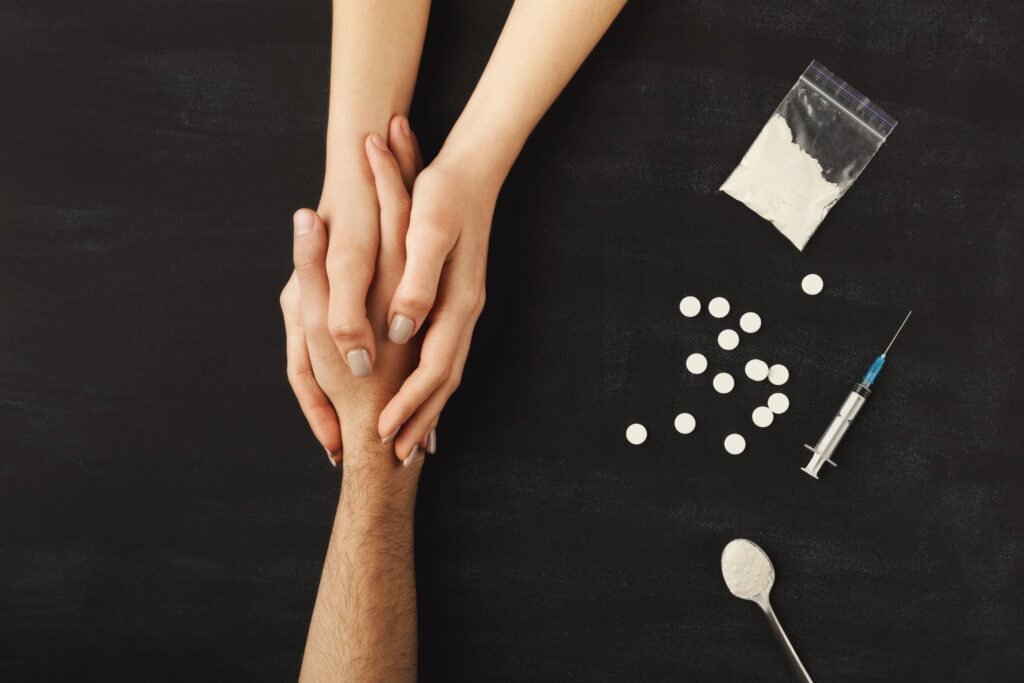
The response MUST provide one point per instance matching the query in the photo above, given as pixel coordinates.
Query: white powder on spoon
(746, 569)
(782, 183)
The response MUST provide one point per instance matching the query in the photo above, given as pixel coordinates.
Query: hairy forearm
(541, 46)
(375, 54)
(364, 620)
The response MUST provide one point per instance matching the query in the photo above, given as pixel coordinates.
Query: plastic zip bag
(807, 156)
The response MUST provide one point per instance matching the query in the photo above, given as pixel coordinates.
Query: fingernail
(401, 328)
(404, 125)
(378, 142)
(359, 362)
(390, 437)
(303, 221)
(411, 458)
(432, 442)
(330, 457)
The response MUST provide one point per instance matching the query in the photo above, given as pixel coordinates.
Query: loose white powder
(782, 183)
(746, 569)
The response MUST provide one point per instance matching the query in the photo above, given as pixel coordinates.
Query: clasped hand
(387, 288)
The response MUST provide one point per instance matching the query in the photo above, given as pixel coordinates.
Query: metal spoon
(749, 575)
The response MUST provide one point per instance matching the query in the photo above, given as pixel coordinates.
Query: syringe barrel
(842, 421)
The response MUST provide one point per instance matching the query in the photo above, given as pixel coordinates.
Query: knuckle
(416, 298)
(344, 329)
(432, 237)
(438, 374)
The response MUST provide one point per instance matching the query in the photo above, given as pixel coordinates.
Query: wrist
(481, 162)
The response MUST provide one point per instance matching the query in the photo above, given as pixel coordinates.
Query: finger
(395, 204)
(437, 357)
(419, 429)
(313, 401)
(351, 257)
(427, 246)
(406, 149)
(308, 251)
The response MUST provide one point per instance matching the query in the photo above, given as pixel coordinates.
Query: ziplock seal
(847, 98)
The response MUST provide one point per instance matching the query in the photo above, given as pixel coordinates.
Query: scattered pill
(636, 434)
(778, 374)
(750, 322)
(718, 307)
(778, 403)
(735, 444)
(756, 370)
(812, 284)
(728, 339)
(696, 363)
(685, 423)
(689, 306)
(762, 416)
(723, 382)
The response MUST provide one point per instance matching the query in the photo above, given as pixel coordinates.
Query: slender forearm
(364, 621)
(375, 54)
(541, 46)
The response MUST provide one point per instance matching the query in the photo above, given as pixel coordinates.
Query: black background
(165, 510)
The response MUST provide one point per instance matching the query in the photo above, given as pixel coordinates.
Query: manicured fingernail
(303, 222)
(390, 437)
(432, 441)
(401, 328)
(411, 458)
(404, 125)
(359, 362)
(378, 142)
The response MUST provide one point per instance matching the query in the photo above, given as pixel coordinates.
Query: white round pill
(750, 322)
(812, 284)
(696, 363)
(718, 307)
(762, 416)
(756, 370)
(723, 382)
(778, 374)
(778, 403)
(735, 444)
(636, 434)
(685, 423)
(689, 306)
(728, 339)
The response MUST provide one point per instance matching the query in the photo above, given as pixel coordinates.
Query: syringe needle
(897, 333)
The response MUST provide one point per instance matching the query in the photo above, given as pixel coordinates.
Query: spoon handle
(794, 662)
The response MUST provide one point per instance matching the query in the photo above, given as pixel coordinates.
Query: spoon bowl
(749, 575)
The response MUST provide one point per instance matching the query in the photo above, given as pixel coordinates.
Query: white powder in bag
(782, 183)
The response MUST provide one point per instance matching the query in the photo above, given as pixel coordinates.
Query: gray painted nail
(432, 442)
(359, 361)
(401, 329)
(412, 457)
(390, 437)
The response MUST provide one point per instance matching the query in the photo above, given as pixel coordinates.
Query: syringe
(844, 418)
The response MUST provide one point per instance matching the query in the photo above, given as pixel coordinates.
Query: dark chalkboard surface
(165, 510)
